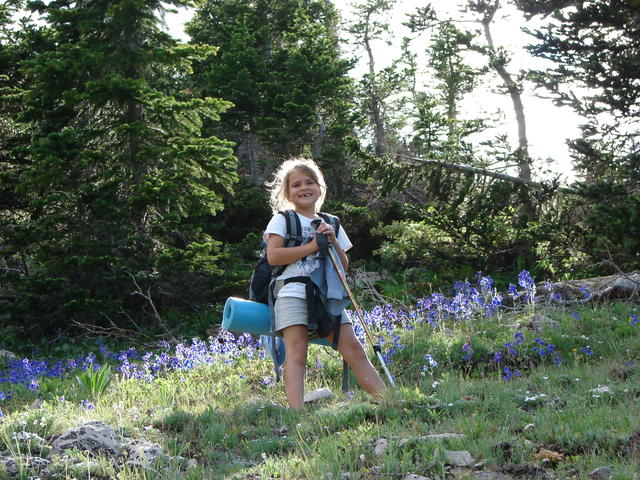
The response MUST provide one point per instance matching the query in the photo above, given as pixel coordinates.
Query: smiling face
(303, 191)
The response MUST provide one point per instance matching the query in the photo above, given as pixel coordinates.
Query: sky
(548, 126)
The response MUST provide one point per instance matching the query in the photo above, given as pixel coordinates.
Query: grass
(227, 422)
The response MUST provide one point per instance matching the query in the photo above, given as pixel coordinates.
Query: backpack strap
(331, 220)
(294, 228)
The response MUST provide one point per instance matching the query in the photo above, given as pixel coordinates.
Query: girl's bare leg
(351, 350)
(296, 344)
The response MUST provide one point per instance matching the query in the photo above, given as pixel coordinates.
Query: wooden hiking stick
(325, 246)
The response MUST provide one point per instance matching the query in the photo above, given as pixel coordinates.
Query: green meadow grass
(232, 425)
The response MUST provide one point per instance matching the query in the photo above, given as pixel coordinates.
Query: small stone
(403, 441)
(444, 436)
(528, 427)
(24, 464)
(380, 447)
(488, 476)
(318, 394)
(94, 437)
(601, 473)
(460, 458)
(193, 463)
(8, 355)
(412, 476)
(142, 454)
(601, 389)
(36, 405)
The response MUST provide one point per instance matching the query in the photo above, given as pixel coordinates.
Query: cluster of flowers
(466, 302)
(225, 348)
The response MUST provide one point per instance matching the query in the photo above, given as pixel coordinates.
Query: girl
(299, 185)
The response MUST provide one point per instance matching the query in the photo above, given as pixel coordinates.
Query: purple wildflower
(468, 351)
(431, 363)
(587, 351)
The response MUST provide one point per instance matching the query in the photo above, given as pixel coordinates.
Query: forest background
(132, 165)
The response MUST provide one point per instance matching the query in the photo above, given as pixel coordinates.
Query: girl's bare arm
(279, 254)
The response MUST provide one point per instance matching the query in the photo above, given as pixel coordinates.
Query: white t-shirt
(303, 266)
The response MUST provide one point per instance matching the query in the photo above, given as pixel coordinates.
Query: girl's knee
(297, 355)
(352, 350)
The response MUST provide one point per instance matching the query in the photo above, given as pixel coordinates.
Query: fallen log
(572, 292)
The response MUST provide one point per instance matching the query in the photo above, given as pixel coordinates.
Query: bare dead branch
(475, 170)
(149, 300)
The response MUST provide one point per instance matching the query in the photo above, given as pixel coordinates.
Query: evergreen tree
(279, 63)
(118, 177)
(593, 46)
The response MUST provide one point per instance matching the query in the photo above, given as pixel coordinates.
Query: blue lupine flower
(634, 320)
(431, 363)
(510, 349)
(468, 351)
(2, 395)
(497, 357)
(525, 280)
(587, 350)
(519, 338)
(87, 405)
(484, 282)
(585, 292)
(507, 373)
(512, 290)
(576, 315)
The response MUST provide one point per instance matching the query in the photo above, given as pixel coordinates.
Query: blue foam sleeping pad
(245, 316)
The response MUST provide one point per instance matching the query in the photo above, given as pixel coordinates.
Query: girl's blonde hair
(279, 187)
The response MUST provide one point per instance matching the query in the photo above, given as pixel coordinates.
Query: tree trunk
(378, 120)
(522, 152)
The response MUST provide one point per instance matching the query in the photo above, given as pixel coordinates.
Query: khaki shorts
(293, 311)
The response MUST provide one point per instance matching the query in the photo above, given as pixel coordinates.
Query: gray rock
(528, 427)
(6, 354)
(489, 476)
(444, 436)
(24, 464)
(94, 437)
(459, 458)
(318, 394)
(380, 447)
(141, 454)
(601, 473)
(412, 476)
